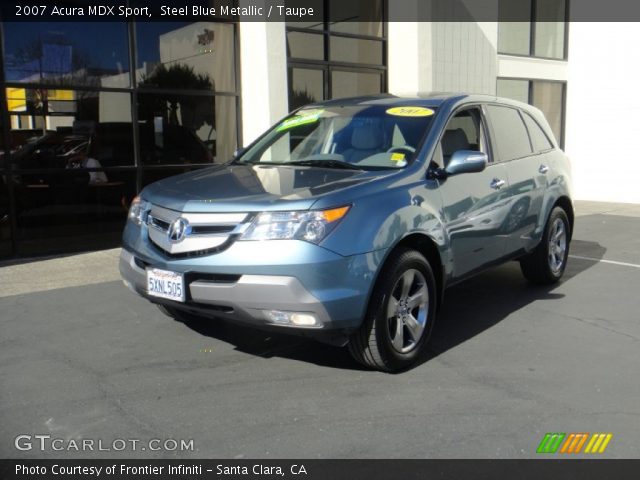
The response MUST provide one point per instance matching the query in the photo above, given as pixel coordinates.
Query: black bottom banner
(321, 469)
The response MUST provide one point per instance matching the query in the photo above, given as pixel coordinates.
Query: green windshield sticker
(302, 118)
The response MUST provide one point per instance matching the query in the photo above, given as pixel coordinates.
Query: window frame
(494, 136)
(327, 65)
(532, 36)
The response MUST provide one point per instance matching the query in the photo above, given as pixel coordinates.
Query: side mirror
(466, 161)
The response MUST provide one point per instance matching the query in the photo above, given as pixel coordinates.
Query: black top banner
(319, 11)
(320, 469)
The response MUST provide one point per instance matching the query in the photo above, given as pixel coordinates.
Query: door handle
(543, 169)
(497, 183)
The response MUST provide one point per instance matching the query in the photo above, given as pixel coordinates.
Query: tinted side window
(538, 138)
(511, 135)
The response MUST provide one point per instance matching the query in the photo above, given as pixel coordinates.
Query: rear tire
(400, 315)
(547, 263)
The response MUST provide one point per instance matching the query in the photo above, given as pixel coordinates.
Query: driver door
(473, 203)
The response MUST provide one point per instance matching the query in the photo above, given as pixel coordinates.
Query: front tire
(546, 264)
(400, 315)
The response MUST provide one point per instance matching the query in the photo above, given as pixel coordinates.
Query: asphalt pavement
(82, 358)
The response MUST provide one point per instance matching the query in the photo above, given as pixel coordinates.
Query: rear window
(538, 138)
(511, 135)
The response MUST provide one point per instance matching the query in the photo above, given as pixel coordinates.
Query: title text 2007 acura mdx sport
(347, 220)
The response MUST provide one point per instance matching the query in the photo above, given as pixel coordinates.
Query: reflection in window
(345, 17)
(71, 213)
(305, 45)
(5, 224)
(541, 35)
(354, 50)
(186, 56)
(350, 84)
(346, 60)
(549, 35)
(305, 86)
(68, 153)
(549, 97)
(185, 129)
(55, 128)
(58, 53)
(515, 89)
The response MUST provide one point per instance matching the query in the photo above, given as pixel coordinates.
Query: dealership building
(93, 112)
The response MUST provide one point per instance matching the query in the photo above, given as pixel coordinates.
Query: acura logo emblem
(178, 230)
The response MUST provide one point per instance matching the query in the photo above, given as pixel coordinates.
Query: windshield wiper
(325, 164)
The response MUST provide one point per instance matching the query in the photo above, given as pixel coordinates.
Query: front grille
(190, 277)
(211, 229)
(196, 234)
(195, 253)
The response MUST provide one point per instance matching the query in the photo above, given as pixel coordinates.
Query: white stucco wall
(603, 111)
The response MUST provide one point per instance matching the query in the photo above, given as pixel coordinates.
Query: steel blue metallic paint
(471, 224)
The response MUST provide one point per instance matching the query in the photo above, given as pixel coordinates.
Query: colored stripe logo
(574, 442)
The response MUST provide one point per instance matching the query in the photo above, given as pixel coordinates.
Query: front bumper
(249, 278)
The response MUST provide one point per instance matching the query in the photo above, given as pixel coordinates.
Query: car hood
(233, 188)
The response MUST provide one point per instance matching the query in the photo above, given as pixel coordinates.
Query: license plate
(165, 284)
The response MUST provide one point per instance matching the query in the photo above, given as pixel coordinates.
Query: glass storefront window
(542, 35)
(549, 97)
(350, 84)
(514, 38)
(345, 15)
(340, 56)
(69, 129)
(549, 35)
(74, 158)
(355, 50)
(305, 45)
(306, 86)
(318, 9)
(515, 89)
(5, 207)
(71, 213)
(92, 54)
(186, 129)
(186, 56)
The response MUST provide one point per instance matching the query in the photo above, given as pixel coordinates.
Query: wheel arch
(429, 249)
(565, 203)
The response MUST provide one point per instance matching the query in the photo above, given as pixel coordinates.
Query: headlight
(310, 226)
(138, 211)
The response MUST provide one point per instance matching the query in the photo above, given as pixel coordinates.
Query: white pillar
(263, 67)
(410, 57)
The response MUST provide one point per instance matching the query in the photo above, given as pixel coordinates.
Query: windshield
(358, 137)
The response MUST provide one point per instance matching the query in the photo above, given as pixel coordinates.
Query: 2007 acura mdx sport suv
(347, 220)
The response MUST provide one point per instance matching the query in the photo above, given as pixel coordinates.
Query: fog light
(276, 316)
(303, 319)
(291, 318)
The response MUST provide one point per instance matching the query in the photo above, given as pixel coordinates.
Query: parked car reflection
(503, 212)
